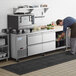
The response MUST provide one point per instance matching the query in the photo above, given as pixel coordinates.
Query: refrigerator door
(34, 49)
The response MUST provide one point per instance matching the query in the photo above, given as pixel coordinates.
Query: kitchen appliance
(20, 21)
(18, 46)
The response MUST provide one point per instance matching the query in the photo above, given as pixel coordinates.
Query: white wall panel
(58, 9)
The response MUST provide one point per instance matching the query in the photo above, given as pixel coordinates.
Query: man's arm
(62, 35)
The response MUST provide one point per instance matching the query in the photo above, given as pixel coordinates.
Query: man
(69, 22)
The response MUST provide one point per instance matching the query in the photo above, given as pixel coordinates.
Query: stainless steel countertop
(56, 28)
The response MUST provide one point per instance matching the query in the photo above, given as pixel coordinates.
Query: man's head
(59, 22)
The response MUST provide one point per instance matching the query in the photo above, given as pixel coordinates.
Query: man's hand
(58, 39)
(62, 35)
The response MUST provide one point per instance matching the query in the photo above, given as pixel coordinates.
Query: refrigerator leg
(17, 60)
(66, 49)
(43, 54)
(7, 59)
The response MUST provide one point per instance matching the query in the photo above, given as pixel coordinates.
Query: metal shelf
(32, 10)
(39, 16)
(3, 46)
(60, 47)
(3, 58)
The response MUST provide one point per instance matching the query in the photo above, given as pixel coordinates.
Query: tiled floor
(64, 69)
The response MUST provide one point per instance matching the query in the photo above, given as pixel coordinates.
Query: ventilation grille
(22, 53)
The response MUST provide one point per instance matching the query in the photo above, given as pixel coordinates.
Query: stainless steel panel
(48, 36)
(34, 49)
(34, 39)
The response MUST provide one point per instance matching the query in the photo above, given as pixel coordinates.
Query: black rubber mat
(39, 63)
